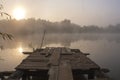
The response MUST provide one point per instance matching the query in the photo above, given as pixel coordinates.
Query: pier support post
(91, 75)
(24, 77)
(28, 77)
(2, 78)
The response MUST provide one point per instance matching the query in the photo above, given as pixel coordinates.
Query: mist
(30, 31)
(36, 26)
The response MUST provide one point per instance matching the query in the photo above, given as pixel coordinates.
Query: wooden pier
(56, 63)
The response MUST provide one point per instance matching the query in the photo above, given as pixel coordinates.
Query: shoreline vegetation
(33, 26)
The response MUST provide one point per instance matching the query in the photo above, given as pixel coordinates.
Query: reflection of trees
(63, 39)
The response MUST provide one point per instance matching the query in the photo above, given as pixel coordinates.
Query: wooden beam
(55, 57)
(65, 71)
(86, 54)
(6, 73)
(27, 53)
(16, 75)
(53, 73)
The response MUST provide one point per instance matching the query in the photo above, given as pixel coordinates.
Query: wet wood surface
(41, 60)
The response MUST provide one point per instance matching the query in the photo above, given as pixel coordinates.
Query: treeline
(33, 26)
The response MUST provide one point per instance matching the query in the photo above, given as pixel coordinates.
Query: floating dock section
(55, 63)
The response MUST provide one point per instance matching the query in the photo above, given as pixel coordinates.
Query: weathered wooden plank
(32, 65)
(86, 54)
(78, 60)
(54, 64)
(37, 60)
(65, 71)
(47, 50)
(16, 75)
(53, 73)
(27, 53)
(66, 51)
(55, 57)
(6, 73)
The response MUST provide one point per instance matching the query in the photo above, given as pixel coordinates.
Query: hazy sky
(83, 12)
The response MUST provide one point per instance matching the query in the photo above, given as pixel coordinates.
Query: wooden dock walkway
(56, 63)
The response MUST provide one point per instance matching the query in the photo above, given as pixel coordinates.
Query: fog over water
(104, 48)
(103, 43)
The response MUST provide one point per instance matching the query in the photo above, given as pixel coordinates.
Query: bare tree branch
(6, 36)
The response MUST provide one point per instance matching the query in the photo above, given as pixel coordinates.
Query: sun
(20, 49)
(19, 13)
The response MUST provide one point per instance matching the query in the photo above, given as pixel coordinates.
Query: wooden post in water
(24, 77)
(91, 75)
(2, 77)
(43, 39)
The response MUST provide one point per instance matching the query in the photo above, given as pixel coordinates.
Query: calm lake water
(104, 49)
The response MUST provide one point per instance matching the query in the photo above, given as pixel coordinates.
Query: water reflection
(63, 39)
(20, 49)
(104, 53)
(11, 58)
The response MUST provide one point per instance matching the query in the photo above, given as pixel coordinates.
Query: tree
(2, 34)
(6, 36)
(2, 13)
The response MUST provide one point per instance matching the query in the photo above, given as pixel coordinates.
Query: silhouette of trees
(33, 26)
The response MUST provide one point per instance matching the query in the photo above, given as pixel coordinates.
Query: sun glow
(19, 13)
(20, 49)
